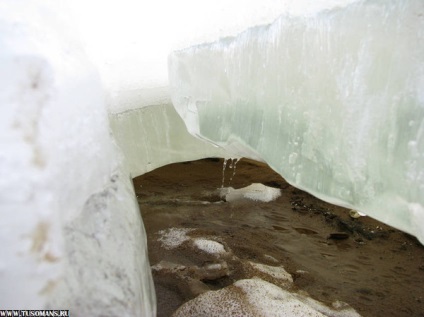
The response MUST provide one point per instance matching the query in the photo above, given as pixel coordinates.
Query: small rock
(338, 236)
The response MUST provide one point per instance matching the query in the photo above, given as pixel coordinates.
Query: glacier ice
(71, 139)
(151, 137)
(71, 233)
(334, 102)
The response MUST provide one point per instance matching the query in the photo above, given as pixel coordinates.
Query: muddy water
(378, 270)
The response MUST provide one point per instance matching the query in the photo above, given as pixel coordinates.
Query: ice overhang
(333, 102)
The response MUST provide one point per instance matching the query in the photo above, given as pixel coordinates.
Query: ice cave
(329, 93)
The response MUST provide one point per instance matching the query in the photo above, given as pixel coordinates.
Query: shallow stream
(376, 269)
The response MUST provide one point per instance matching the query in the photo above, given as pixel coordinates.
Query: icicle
(223, 172)
(233, 166)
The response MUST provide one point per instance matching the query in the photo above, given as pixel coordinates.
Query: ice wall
(153, 136)
(333, 101)
(71, 235)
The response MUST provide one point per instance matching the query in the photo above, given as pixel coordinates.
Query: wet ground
(376, 269)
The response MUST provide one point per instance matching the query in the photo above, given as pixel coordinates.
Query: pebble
(338, 236)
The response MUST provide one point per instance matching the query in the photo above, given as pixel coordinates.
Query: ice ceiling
(330, 95)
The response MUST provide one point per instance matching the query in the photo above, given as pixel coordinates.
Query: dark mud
(376, 269)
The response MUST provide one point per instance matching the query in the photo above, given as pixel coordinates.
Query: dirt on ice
(198, 242)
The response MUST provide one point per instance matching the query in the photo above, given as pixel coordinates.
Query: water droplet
(223, 172)
(233, 165)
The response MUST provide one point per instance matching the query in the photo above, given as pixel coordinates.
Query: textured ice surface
(71, 233)
(151, 137)
(334, 102)
(256, 191)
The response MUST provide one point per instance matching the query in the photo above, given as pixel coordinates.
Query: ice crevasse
(331, 98)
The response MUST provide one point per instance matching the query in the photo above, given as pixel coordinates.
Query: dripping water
(223, 172)
(233, 166)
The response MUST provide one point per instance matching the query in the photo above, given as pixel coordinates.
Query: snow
(256, 192)
(225, 302)
(332, 101)
(255, 297)
(173, 237)
(276, 272)
(270, 300)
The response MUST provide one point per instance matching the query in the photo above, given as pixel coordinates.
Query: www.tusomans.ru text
(37, 313)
